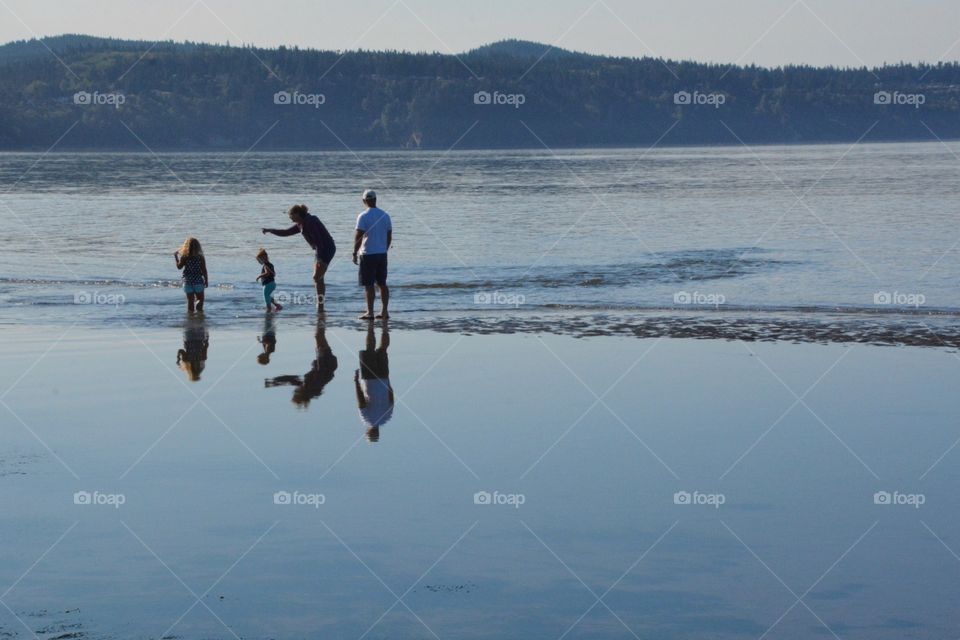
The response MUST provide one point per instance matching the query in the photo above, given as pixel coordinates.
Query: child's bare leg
(190, 298)
(199, 302)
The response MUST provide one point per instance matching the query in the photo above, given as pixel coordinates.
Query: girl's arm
(178, 259)
(203, 268)
(292, 231)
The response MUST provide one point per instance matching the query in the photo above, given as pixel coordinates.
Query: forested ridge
(118, 94)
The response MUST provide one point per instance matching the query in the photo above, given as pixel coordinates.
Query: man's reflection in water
(192, 358)
(267, 340)
(372, 382)
(311, 384)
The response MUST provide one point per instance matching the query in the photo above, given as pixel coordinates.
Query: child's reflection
(192, 358)
(312, 383)
(372, 382)
(267, 340)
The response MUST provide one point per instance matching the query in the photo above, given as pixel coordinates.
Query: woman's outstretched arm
(292, 231)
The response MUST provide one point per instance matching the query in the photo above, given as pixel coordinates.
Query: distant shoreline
(466, 149)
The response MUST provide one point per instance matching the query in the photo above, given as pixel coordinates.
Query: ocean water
(727, 305)
(806, 229)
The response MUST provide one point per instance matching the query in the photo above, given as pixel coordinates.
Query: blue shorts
(191, 289)
(268, 290)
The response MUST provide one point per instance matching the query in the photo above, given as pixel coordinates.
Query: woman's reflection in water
(372, 382)
(312, 383)
(192, 358)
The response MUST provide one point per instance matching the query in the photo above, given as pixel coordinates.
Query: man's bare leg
(384, 301)
(369, 294)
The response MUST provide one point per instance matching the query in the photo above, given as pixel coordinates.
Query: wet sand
(526, 470)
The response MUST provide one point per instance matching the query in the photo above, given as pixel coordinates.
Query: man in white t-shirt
(374, 235)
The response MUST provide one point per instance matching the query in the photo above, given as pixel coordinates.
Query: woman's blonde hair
(190, 247)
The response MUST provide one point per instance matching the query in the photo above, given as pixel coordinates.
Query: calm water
(613, 442)
(599, 515)
(492, 231)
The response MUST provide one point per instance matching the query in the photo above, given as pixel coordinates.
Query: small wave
(668, 268)
(104, 282)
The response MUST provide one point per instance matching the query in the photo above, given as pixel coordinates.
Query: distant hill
(122, 94)
(521, 49)
(71, 43)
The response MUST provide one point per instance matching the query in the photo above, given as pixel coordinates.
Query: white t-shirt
(375, 223)
(379, 409)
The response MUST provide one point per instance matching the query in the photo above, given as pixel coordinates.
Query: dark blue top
(268, 273)
(316, 235)
(193, 270)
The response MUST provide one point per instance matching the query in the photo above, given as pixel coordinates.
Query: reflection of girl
(193, 357)
(268, 340)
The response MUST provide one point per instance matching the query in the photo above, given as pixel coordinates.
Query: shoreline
(928, 330)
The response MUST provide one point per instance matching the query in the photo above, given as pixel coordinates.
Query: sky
(764, 32)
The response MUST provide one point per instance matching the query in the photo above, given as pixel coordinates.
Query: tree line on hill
(118, 94)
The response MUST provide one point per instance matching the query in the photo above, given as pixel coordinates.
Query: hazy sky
(767, 32)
